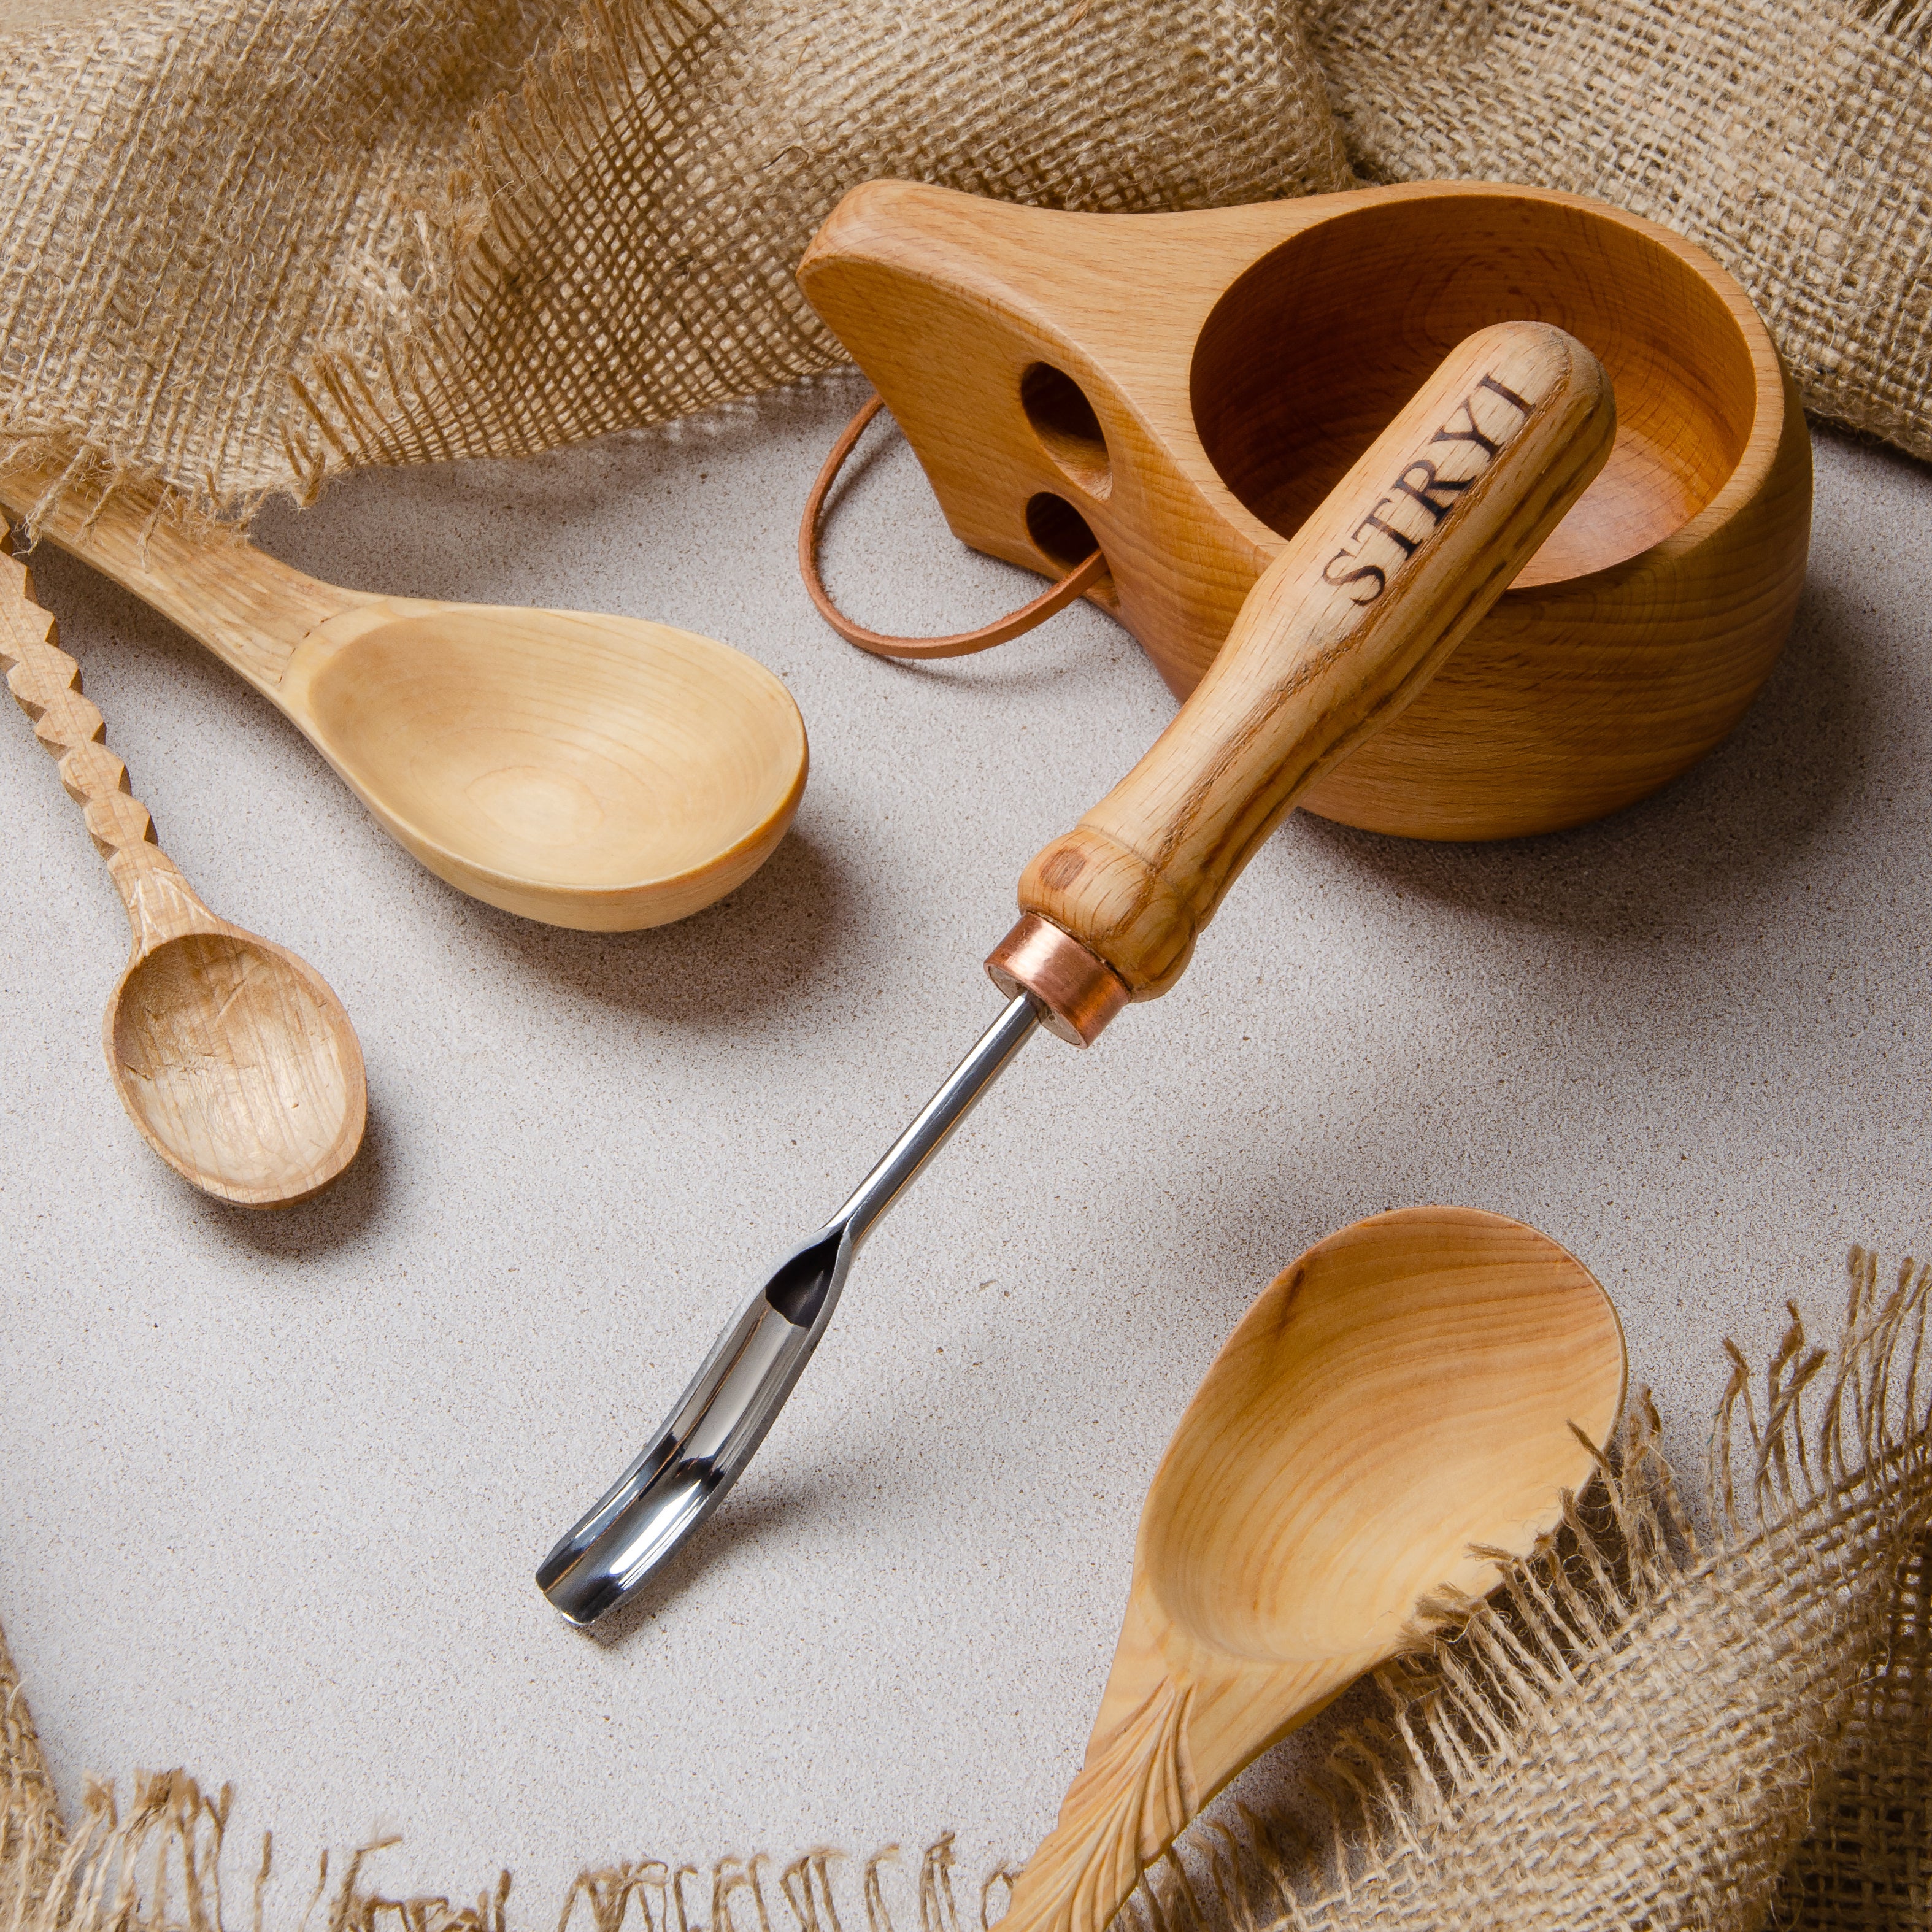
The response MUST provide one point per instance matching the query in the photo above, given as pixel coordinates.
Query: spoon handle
(46, 684)
(1343, 629)
(249, 608)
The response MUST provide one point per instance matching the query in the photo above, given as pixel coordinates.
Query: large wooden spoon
(231, 1055)
(1419, 1383)
(586, 770)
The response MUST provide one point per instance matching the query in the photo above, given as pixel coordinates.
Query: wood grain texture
(585, 770)
(231, 1055)
(1186, 389)
(1340, 634)
(1418, 1383)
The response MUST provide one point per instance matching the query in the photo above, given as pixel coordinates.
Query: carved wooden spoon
(231, 1055)
(1419, 1383)
(588, 771)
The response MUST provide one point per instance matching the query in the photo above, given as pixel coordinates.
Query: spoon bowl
(238, 1064)
(1403, 1408)
(1421, 1329)
(588, 771)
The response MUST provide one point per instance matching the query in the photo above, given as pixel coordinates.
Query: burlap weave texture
(1792, 138)
(247, 241)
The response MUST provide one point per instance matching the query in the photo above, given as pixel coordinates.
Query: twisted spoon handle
(46, 685)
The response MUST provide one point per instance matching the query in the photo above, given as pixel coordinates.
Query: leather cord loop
(1076, 583)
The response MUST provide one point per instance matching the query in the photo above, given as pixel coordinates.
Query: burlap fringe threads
(1634, 1732)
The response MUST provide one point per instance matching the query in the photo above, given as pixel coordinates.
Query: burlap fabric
(1793, 138)
(246, 241)
(1635, 1734)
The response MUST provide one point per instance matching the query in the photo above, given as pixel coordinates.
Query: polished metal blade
(722, 1416)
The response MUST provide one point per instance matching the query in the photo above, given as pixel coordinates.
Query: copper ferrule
(1079, 991)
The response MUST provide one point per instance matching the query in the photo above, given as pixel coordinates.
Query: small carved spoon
(231, 1055)
(586, 770)
(1420, 1383)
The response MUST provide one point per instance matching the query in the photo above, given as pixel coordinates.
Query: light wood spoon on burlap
(1401, 1409)
(231, 1055)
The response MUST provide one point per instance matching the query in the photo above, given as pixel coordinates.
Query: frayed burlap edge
(1634, 1730)
(397, 385)
(610, 242)
(406, 392)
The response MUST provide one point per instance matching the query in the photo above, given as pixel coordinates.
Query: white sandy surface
(274, 1487)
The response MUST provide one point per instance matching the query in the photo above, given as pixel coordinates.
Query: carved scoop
(1407, 1402)
(231, 1055)
(586, 770)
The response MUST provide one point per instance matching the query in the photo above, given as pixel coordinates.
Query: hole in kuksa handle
(1060, 533)
(1069, 430)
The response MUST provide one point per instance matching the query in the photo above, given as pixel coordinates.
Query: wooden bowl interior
(581, 752)
(1404, 1391)
(1311, 353)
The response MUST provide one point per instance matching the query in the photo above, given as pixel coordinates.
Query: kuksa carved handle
(1341, 631)
(46, 684)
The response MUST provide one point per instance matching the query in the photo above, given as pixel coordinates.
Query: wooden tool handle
(46, 684)
(1343, 629)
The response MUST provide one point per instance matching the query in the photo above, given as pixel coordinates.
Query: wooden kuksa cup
(1185, 390)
